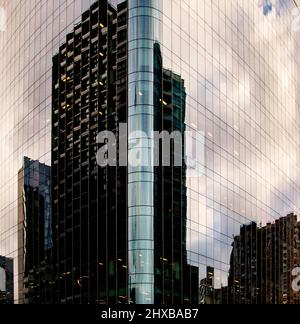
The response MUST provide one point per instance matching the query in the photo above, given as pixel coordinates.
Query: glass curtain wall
(238, 61)
(29, 38)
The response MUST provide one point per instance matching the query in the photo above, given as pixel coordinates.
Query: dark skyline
(261, 264)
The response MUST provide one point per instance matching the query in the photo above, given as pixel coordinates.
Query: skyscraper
(183, 81)
(35, 239)
(240, 69)
(30, 34)
(175, 281)
(89, 202)
(226, 72)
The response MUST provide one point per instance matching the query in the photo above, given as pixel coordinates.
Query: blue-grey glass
(141, 26)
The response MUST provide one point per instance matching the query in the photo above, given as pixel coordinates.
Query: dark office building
(89, 202)
(262, 261)
(90, 220)
(120, 234)
(35, 231)
(6, 281)
(175, 281)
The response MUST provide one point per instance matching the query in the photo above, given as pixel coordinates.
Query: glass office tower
(30, 34)
(156, 234)
(226, 72)
(35, 238)
(89, 256)
(239, 63)
(93, 234)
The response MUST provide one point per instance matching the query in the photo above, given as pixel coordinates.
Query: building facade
(35, 239)
(89, 202)
(89, 97)
(165, 66)
(224, 71)
(30, 34)
(262, 261)
(238, 60)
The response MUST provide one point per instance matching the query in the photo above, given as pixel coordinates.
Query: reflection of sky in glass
(277, 6)
(31, 38)
(239, 62)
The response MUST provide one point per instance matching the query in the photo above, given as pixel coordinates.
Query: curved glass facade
(29, 38)
(143, 33)
(209, 231)
(238, 61)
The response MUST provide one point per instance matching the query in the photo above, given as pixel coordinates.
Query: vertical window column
(143, 33)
